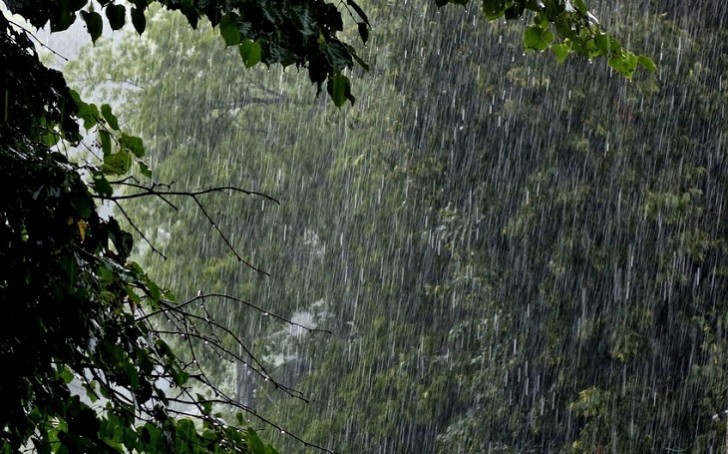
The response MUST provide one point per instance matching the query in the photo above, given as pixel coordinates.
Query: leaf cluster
(91, 369)
(300, 33)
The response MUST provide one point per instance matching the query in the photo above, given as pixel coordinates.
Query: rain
(489, 251)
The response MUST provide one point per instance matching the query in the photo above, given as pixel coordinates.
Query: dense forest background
(511, 254)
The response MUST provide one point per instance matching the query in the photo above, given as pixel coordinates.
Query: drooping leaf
(144, 169)
(117, 163)
(64, 19)
(132, 144)
(229, 29)
(250, 51)
(647, 63)
(105, 139)
(123, 241)
(116, 14)
(561, 51)
(363, 31)
(358, 10)
(94, 24)
(101, 185)
(138, 19)
(537, 38)
(339, 88)
(109, 116)
(493, 9)
(255, 444)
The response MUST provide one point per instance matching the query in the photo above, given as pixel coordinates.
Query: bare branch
(141, 234)
(203, 296)
(152, 191)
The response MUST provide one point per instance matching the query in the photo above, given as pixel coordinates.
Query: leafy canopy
(310, 34)
(80, 312)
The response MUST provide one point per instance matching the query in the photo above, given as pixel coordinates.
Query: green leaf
(339, 89)
(537, 38)
(101, 185)
(206, 406)
(91, 393)
(138, 20)
(64, 20)
(358, 10)
(561, 51)
(363, 31)
(255, 444)
(154, 291)
(83, 204)
(105, 139)
(94, 24)
(494, 9)
(123, 241)
(361, 62)
(65, 374)
(144, 169)
(116, 15)
(580, 6)
(132, 144)
(70, 267)
(229, 29)
(602, 42)
(117, 163)
(625, 63)
(109, 116)
(647, 63)
(250, 52)
(515, 11)
(89, 113)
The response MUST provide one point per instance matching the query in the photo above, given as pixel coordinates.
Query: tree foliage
(88, 332)
(307, 34)
(516, 256)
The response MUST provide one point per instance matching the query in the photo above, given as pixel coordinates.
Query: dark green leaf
(116, 15)
(84, 205)
(65, 374)
(363, 31)
(101, 185)
(70, 267)
(561, 51)
(493, 9)
(229, 29)
(110, 118)
(89, 113)
(132, 144)
(123, 241)
(138, 20)
(105, 139)
(255, 444)
(117, 163)
(602, 42)
(537, 38)
(647, 63)
(64, 19)
(144, 169)
(358, 10)
(250, 52)
(580, 6)
(515, 11)
(94, 24)
(339, 89)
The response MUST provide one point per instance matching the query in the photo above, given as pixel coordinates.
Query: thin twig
(153, 191)
(201, 206)
(141, 234)
(32, 35)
